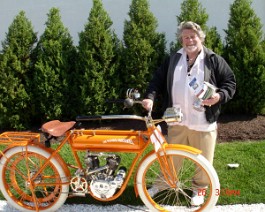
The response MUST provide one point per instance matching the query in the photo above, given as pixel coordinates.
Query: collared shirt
(184, 96)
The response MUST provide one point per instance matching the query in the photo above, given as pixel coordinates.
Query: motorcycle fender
(180, 147)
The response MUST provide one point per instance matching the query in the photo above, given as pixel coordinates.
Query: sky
(75, 13)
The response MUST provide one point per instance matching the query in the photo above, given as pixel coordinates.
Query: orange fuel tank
(121, 140)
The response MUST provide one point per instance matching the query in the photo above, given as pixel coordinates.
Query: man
(178, 80)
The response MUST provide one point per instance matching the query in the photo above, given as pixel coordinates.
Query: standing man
(177, 79)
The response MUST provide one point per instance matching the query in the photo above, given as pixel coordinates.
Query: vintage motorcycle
(36, 177)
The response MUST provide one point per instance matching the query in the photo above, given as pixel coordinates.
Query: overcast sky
(74, 14)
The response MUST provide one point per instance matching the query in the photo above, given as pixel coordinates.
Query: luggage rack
(18, 138)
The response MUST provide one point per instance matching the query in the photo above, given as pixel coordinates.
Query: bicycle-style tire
(177, 198)
(17, 166)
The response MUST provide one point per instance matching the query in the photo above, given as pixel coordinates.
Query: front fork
(166, 163)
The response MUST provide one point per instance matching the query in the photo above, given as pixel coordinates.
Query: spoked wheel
(25, 190)
(176, 196)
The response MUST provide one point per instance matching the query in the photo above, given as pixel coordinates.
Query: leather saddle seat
(57, 128)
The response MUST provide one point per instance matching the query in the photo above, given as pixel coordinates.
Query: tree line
(50, 78)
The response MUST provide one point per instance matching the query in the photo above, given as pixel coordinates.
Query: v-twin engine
(102, 180)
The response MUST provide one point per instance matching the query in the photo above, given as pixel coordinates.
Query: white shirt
(184, 96)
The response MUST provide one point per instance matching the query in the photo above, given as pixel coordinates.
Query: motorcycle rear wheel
(44, 193)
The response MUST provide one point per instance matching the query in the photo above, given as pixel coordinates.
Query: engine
(102, 180)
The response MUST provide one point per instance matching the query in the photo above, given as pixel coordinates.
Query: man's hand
(147, 104)
(212, 101)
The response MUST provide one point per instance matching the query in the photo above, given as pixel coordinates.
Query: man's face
(191, 41)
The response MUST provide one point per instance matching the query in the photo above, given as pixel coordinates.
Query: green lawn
(248, 178)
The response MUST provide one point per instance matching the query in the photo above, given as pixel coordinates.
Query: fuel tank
(121, 140)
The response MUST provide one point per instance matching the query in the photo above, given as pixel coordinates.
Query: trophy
(173, 114)
(203, 92)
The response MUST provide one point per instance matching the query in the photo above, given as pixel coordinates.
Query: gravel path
(122, 208)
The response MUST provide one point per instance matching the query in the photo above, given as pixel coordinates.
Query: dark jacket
(216, 72)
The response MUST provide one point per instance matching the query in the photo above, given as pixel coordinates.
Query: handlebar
(172, 114)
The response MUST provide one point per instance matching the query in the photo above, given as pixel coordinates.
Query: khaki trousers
(204, 141)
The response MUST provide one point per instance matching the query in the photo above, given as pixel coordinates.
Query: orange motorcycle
(35, 175)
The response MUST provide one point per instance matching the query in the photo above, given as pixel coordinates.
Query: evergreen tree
(54, 67)
(213, 41)
(144, 47)
(15, 66)
(246, 56)
(192, 10)
(98, 62)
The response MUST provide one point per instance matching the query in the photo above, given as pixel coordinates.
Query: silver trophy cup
(204, 92)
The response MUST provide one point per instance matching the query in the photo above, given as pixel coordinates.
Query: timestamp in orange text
(220, 192)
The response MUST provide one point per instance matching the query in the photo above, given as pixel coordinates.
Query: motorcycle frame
(83, 136)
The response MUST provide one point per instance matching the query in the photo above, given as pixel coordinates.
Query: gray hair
(190, 25)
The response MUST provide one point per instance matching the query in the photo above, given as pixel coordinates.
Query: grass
(248, 178)
(242, 185)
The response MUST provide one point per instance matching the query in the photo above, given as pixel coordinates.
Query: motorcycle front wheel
(177, 196)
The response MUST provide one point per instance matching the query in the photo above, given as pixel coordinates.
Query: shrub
(15, 76)
(246, 57)
(53, 67)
